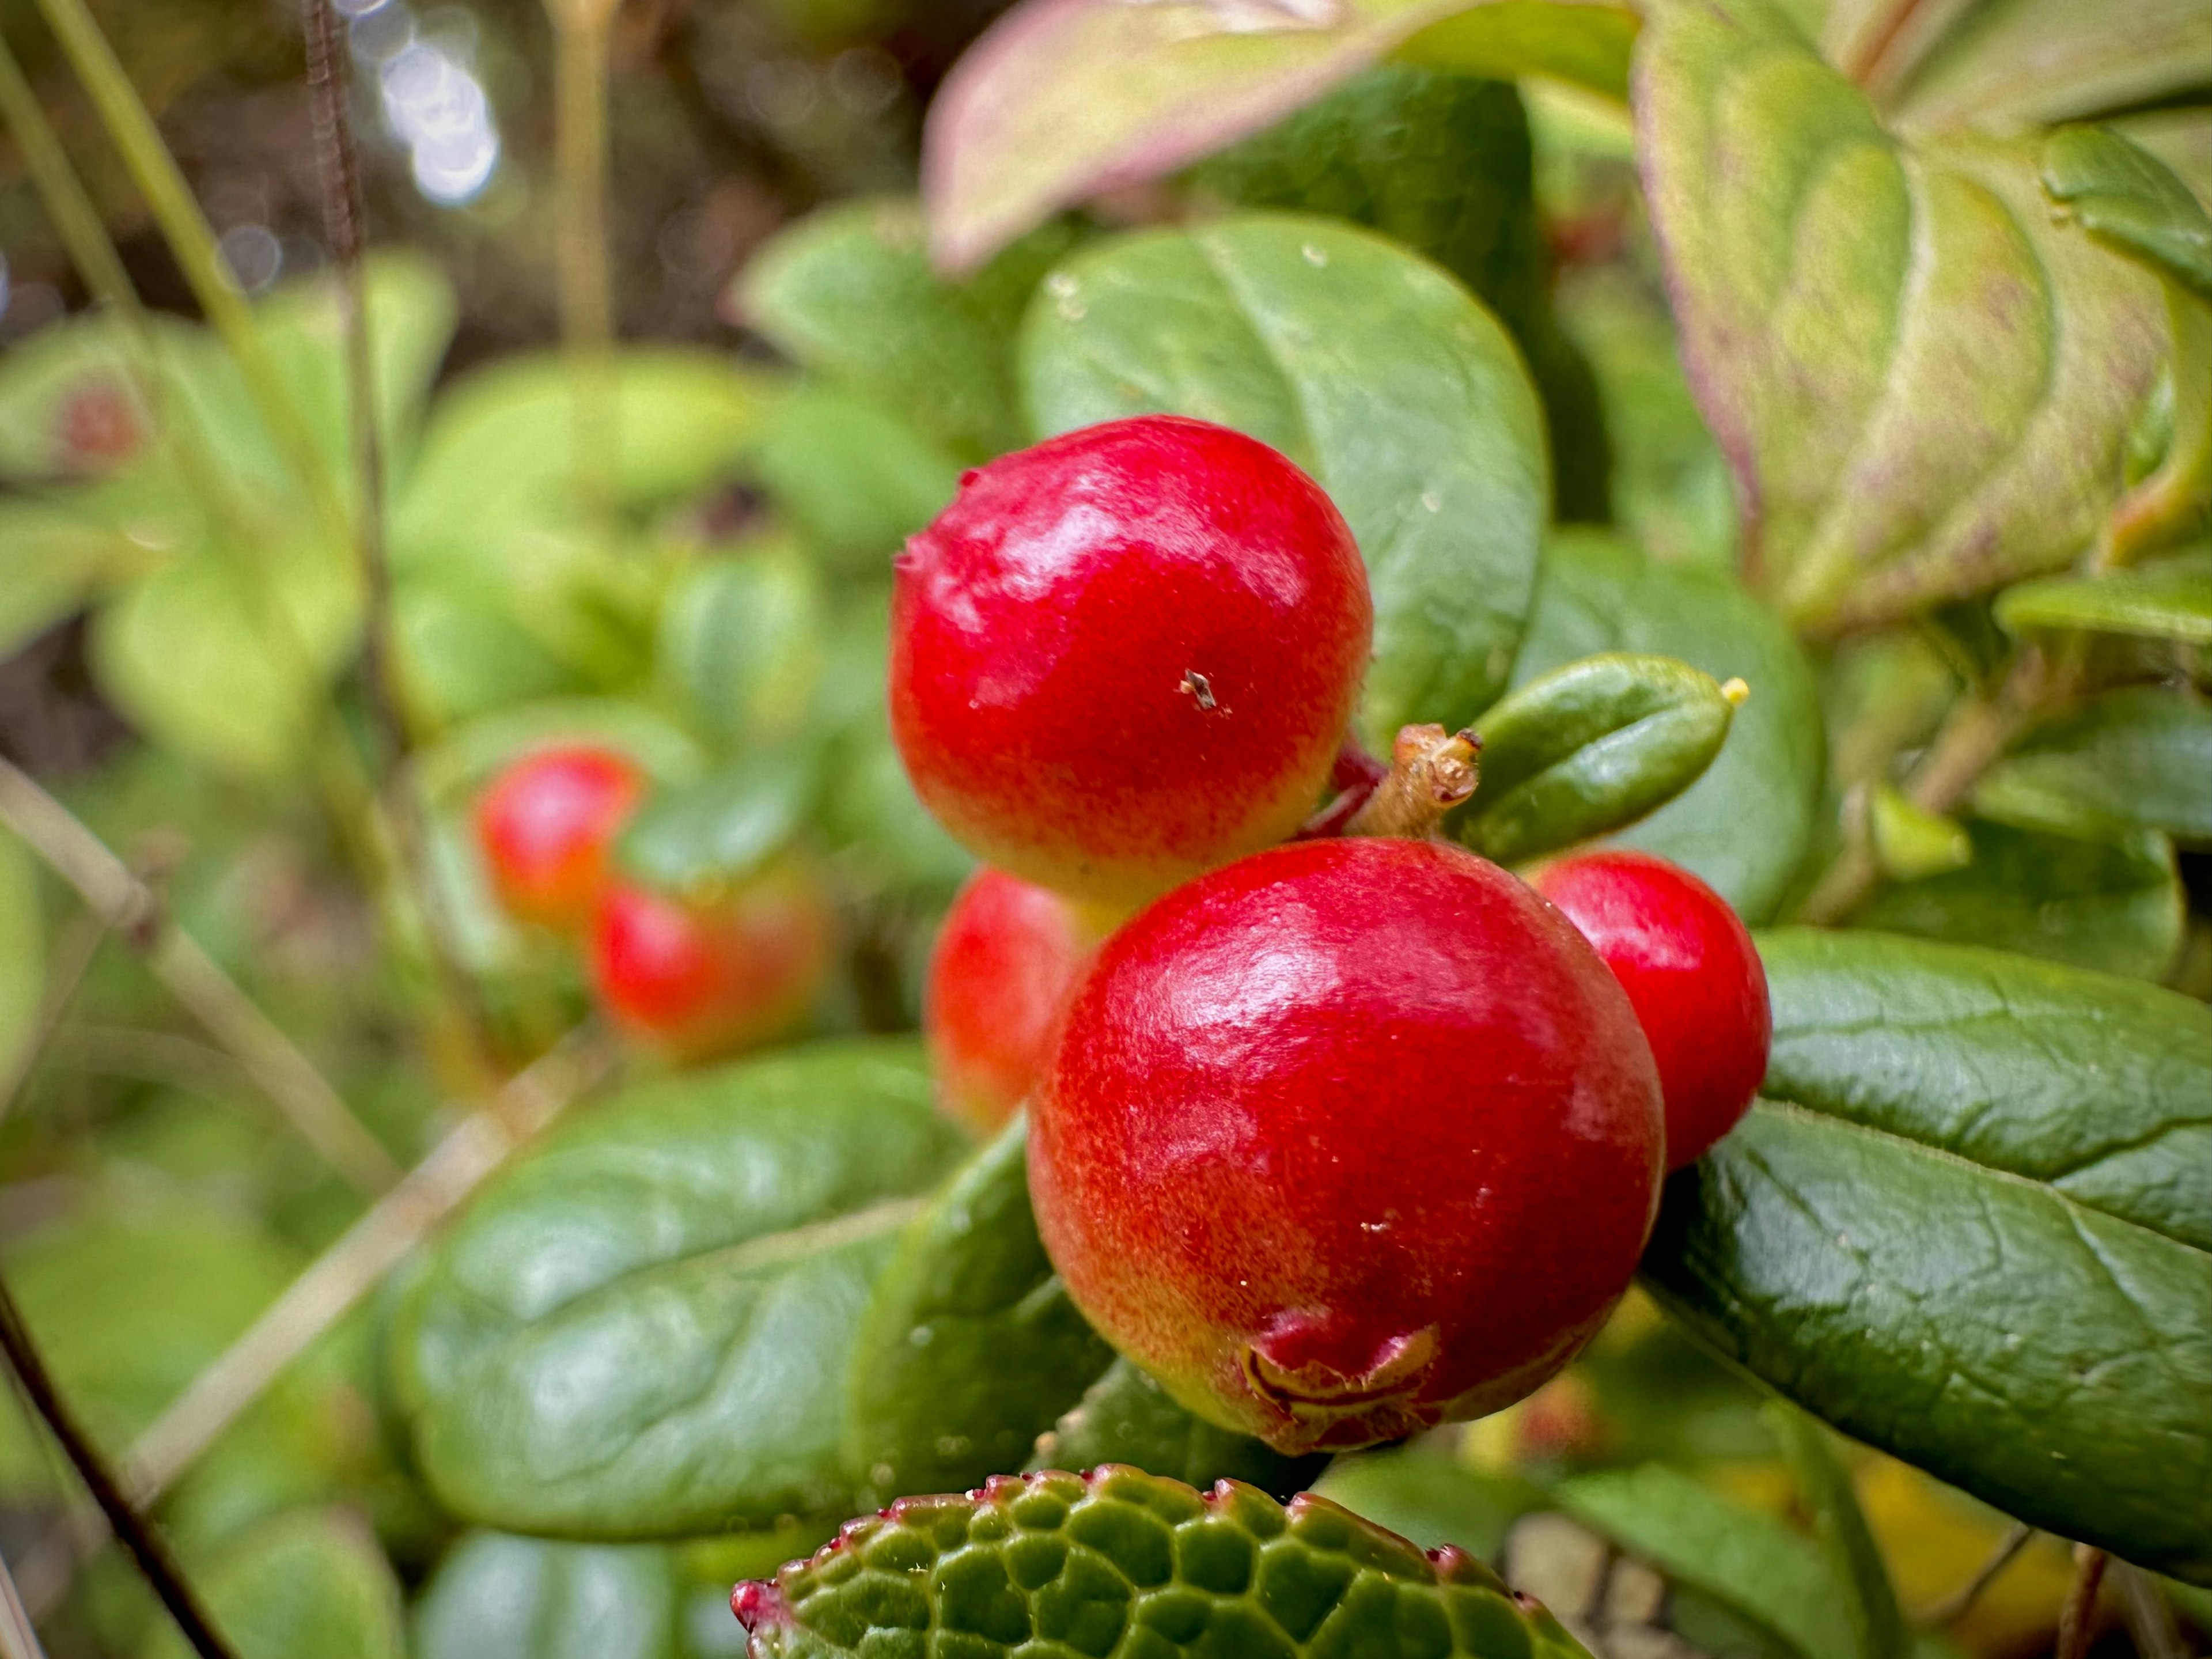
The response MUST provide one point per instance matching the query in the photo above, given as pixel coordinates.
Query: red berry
(546, 825)
(699, 978)
(1128, 655)
(1690, 970)
(1006, 960)
(1346, 1139)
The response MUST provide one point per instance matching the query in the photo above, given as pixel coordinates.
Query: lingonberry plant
(1573, 637)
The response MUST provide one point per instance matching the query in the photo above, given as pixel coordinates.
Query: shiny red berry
(1007, 958)
(1688, 966)
(1346, 1140)
(546, 825)
(698, 978)
(1128, 655)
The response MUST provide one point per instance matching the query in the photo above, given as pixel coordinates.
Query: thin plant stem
(132, 1528)
(18, 1640)
(2077, 1619)
(581, 31)
(72, 959)
(1955, 1606)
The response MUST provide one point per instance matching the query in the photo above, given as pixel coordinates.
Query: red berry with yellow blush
(1687, 963)
(1347, 1139)
(546, 826)
(1128, 655)
(1006, 961)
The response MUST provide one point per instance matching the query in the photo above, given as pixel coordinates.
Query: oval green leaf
(496, 1596)
(2128, 199)
(970, 1347)
(723, 829)
(1373, 370)
(741, 643)
(2171, 599)
(1126, 1417)
(2134, 759)
(1974, 1236)
(1590, 748)
(642, 1328)
(1122, 1563)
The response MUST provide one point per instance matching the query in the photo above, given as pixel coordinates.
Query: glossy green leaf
(22, 953)
(849, 292)
(1157, 87)
(309, 1581)
(2098, 1086)
(741, 643)
(2128, 199)
(2137, 758)
(1124, 1564)
(496, 1596)
(723, 829)
(1824, 1487)
(1421, 1491)
(970, 1347)
(1586, 749)
(1941, 1252)
(855, 479)
(2171, 599)
(1370, 369)
(1745, 825)
(1585, 45)
(642, 1328)
(1126, 1417)
(1750, 1563)
(2112, 903)
(1924, 381)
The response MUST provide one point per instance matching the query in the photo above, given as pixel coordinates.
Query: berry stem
(1431, 771)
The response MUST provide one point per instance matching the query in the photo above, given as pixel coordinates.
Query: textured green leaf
(495, 1596)
(2137, 758)
(2171, 599)
(2128, 199)
(856, 480)
(1824, 1486)
(1122, 1565)
(970, 1347)
(1924, 381)
(309, 1581)
(1745, 825)
(1586, 749)
(1125, 1417)
(1422, 1492)
(1586, 46)
(1370, 369)
(1747, 1561)
(641, 1329)
(741, 643)
(1156, 88)
(848, 291)
(2098, 1086)
(2111, 903)
(723, 829)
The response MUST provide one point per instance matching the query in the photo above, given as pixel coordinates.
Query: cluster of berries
(1339, 1136)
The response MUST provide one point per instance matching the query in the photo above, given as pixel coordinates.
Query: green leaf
(1585, 45)
(1422, 1494)
(855, 479)
(1910, 844)
(87, 361)
(741, 643)
(641, 1329)
(1586, 749)
(2110, 902)
(1125, 1563)
(1157, 87)
(2130, 200)
(1746, 825)
(2098, 1086)
(465, 759)
(1972, 1237)
(309, 1581)
(22, 954)
(1749, 1562)
(2134, 759)
(495, 1596)
(51, 560)
(2171, 599)
(849, 292)
(724, 828)
(1823, 1485)
(1924, 381)
(1370, 369)
(970, 1347)
(1125, 1417)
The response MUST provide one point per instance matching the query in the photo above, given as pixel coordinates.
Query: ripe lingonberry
(1128, 655)
(697, 978)
(1006, 960)
(1346, 1140)
(1688, 966)
(544, 827)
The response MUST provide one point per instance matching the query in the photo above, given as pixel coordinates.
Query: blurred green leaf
(50, 561)
(463, 761)
(1746, 825)
(1422, 1494)
(2134, 759)
(741, 643)
(1370, 367)
(1823, 1485)
(73, 380)
(2171, 599)
(1909, 844)
(1584, 45)
(715, 834)
(497, 1596)
(1836, 286)
(2130, 200)
(855, 479)
(22, 953)
(970, 1346)
(305, 1582)
(1125, 1417)
(1589, 748)
(2113, 903)
(641, 1328)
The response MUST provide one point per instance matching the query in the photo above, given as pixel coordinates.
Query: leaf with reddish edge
(1062, 100)
(1118, 1562)
(1924, 381)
